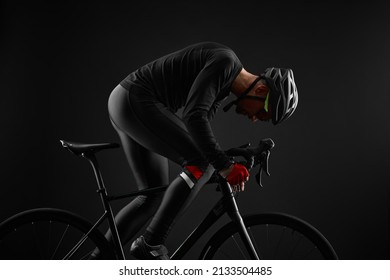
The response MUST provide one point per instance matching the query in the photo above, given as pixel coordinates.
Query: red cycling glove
(238, 174)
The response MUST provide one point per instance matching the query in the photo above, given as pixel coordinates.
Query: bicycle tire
(48, 233)
(262, 230)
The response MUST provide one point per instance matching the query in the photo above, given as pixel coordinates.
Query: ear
(261, 90)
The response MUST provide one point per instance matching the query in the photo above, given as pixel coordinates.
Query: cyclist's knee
(152, 198)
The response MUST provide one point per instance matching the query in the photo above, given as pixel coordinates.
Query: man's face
(253, 109)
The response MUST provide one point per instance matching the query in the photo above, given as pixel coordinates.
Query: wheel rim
(271, 242)
(274, 236)
(50, 234)
(45, 240)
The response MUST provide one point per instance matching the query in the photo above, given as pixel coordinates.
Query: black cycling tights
(150, 135)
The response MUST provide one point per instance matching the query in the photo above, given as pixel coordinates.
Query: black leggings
(150, 135)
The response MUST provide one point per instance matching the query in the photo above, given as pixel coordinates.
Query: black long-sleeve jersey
(196, 78)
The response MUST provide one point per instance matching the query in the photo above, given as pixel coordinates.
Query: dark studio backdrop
(60, 62)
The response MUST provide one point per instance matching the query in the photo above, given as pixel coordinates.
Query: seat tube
(233, 212)
(107, 207)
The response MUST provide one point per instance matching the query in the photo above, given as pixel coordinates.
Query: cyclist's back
(171, 78)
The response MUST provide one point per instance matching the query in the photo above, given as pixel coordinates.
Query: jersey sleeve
(200, 106)
(213, 110)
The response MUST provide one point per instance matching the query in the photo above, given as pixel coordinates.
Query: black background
(59, 63)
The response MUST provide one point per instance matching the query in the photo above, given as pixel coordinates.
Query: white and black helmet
(283, 96)
(283, 93)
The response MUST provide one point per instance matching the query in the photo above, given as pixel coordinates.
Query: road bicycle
(49, 233)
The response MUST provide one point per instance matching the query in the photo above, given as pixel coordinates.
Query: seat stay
(82, 240)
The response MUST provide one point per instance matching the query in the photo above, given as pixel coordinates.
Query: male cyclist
(142, 110)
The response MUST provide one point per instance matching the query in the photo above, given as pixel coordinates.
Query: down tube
(216, 212)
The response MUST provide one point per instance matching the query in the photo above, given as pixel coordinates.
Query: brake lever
(266, 160)
(251, 156)
(264, 166)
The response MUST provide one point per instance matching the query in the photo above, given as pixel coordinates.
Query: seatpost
(107, 207)
(233, 212)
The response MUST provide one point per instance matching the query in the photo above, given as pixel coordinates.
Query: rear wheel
(274, 236)
(48, 234)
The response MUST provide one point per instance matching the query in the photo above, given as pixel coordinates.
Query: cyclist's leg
(177, 198)
(149, 170)
(154, 126)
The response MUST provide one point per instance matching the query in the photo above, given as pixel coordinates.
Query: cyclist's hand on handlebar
(238, 188)
(236, 175)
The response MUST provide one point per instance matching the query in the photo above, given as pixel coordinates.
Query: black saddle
(81, 148)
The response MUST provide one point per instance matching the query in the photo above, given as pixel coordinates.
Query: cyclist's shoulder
(207, 48)
(214, 47)
(211, 45)
(213, 53)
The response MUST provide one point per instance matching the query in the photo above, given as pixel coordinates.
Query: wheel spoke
(49, 238)
(223, 252)
(60, 242)
(36, 240)
(275, 236)
(310, 252)
(267, 240)
(254, 241)
(279, 242)
(55, 232)
(295, 246)
(239, 247)
(4, 243)
(17, 233)
(76, 247)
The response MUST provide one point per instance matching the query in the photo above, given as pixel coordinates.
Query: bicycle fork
(234, 214)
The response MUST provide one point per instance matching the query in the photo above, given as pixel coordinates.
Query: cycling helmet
(283, 93)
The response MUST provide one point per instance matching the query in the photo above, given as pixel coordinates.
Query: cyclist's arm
(213, 110)
(203, 93)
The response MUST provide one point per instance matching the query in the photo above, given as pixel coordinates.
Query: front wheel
(274, 236)
(47, 234)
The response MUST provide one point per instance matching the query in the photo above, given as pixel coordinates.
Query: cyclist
(143, 108)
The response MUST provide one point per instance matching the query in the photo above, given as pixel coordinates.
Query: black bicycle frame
(106, 205)
(227, 204)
